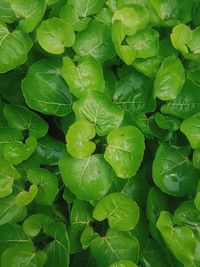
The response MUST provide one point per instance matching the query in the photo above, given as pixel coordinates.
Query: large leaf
(88, 178)
(80, 217)
(78, 139)
(7, 176)
(173, 172)
(125, 150)
(87, 75)
(6, 13)
(24, 119)
(54, 35)
(87, 7)
(96, 41)
(14, 48)
(23, 255)
(121, 211)
(97, 108)
(191, 128)
(113, 247)
(47, 185)
(58, 250)
(170, 79)
(134, 93)
(30, 13)
(45, 90)
(186, 104)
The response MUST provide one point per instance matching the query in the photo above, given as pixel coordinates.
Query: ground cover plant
(99, 133)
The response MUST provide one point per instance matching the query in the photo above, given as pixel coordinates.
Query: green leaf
(49, 150)
(176, 238)
(29, 13)
(34, 223)
(86, 75)
(87, 7)
(170, 79)
(12, 236)
(54, 35)
(24, 119)
(125, 52)
(7, 176)
(58, 250)
(47, 185)
(6, 13)
(196, 158)
(113, 247)
(97, 108)
(121, 211)
(16, 152)
(167, 122)
(125, 150)
(26, 197)
(148, 66)
(134, 94)
(86, 237)
(14, 48)
(95, 41)
(186, 104)
(45, 90)
(10, 212)
(80, 217)
(190, 127)
(88, 178)
(173, 172)
(23, 254)
(7, 136)
(144, 42)
(123, 263)
(78, 139)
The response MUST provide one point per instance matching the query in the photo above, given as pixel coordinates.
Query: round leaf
(87, 75)
(88, 178)
(125, 150)
(97, 108)
(78, 139)
(121, 211)
(26, 197)
(54, 35)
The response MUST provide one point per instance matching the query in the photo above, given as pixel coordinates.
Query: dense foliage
(99, 133)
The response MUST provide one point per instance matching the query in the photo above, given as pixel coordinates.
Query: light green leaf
(121, 211)
(173, 172)
(47, 185)
(125, 150)
(86, 237)
(34, 223)
(6, 13)
(78, 139)
(170, 79)
(7, 136)
(191, 128)
(58, 250)
(7, 176)
(97, 108)
(145, 43)
(54, 35)
(86, 75)
(14, 48)
(148, 66)
(16, 152)
(26, 197)
(45, 90)
(123, 263)
(96, 41)
(196, 158)
(113, 247)
(23, 255)
(80, 217)
(30, 13)
(88, 178)
(24, 119)
(87, 7)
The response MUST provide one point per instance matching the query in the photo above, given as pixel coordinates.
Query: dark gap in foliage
(100, 227)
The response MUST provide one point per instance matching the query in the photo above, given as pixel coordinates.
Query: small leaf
(78, 139)
(26, 197)
(54, 35)
(121, 211)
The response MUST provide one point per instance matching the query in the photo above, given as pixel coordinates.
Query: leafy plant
(99, 133)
